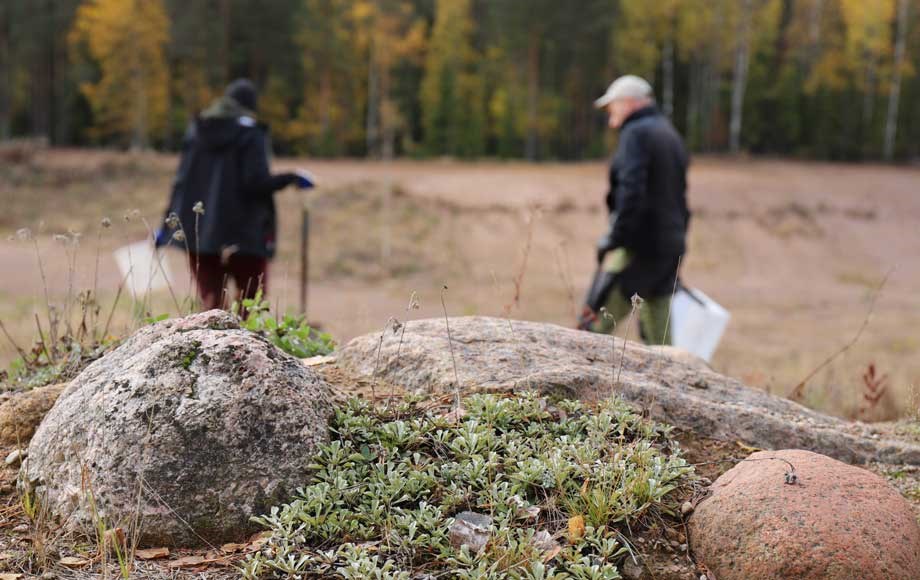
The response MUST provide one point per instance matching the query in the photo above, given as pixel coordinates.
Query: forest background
(821, 79)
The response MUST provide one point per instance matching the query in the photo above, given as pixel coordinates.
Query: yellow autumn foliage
(126, 41)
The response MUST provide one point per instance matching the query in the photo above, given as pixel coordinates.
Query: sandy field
(797, 252)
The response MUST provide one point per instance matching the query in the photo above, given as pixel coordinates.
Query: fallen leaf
(233, 548)
(258, 540)
(10, 576)
(114, 540)
(74, 561)
(152, 553)
(530, 513)
(186, 561)
(576, 528)
(550, 554)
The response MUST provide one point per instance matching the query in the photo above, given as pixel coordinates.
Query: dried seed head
(64, 239)
(24, 234)
(636, 301)
(413, 302)
(397, 325)
(132, 215)
(106, 223)
(172, 221)
(198, 208)
(605, 314)
(179, 236)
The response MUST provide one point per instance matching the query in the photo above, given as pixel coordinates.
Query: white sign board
(143, 267)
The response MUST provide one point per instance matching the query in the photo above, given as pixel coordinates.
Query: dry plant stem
(71, 251)
(413, 304)
(799, 389)
(197, 248)
(667, 321)
(93, 319)
(453, 359)
(377, 361)
(22, 353)
(41, 271)
(635, 307)
(41, 336)
(565, 274)
(157, 497)
(159, 265)
(522, 269)
(506, 312)
(108, 321)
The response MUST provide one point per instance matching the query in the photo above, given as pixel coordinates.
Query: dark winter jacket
(647, 202)
(224, 165)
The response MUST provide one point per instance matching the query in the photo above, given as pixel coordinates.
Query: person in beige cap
(648, 216)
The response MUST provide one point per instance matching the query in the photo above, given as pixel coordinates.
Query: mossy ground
(387, 487)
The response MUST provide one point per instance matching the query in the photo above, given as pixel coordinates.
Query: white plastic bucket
(143, 267)
(697, 322)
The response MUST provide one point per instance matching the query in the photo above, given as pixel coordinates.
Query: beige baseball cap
(625, 87)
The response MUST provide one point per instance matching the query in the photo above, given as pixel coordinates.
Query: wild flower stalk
(412, 305)
(158, 264)
(198, 209)
(453, 359)
(390, 321)
(104, 224)
(636, 307)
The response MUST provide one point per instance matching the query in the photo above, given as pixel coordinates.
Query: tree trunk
(667, 74)
(325, 101)
(693, 104)
(373, 105)
(814, 33)
(533, 95)
(387, 118)
(226, 17)
(739, 81)
(894, 94)
(6, 72)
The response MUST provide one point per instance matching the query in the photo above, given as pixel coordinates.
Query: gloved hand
(602, 249)
(305, 179)
(586, 318)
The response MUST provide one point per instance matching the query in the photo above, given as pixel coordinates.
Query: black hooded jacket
(224, 165)
(647, 202)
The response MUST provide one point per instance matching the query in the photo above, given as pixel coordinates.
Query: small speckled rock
(838, 522)
(21, 414)
(193, 423)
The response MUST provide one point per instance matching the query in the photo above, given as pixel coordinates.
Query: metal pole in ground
(304, 257)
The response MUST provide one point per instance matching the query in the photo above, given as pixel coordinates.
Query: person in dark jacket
(222, 209)
(648, 215)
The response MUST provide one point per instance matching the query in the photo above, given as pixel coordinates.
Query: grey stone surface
(493, 354)
(192, 424)
(470, 529)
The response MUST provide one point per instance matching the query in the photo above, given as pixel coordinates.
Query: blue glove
(161, 237)
(305, 179)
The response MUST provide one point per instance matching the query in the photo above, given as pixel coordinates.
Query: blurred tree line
(830, 79)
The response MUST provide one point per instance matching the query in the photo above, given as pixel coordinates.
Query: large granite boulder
(834, 522)
(189, 428)
(673, 387)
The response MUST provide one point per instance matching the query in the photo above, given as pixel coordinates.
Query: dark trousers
(212, 276)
